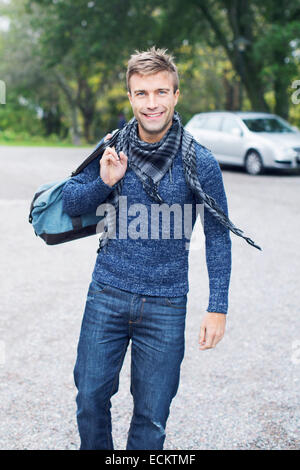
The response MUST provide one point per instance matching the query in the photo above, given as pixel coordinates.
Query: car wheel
(253, 163)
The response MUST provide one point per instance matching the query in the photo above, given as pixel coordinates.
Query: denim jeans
(155, 326)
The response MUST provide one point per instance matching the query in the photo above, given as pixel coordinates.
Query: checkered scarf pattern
(150, 162)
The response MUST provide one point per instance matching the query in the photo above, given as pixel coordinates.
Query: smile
(153, 115)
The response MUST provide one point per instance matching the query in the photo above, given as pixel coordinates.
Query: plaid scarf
(150, 162)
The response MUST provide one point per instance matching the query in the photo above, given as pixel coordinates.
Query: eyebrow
(159, 89)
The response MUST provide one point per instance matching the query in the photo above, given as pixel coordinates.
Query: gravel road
(242, 395)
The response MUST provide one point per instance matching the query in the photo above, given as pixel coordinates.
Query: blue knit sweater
(144, 263)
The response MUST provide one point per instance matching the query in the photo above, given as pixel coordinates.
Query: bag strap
(98, 151)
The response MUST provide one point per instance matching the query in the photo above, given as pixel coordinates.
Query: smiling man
(153, 100)
(139, 286)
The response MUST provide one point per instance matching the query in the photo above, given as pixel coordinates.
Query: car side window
(213, 123)
(197, 122)
(229, 124)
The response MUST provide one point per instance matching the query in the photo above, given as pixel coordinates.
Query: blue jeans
(155, 326)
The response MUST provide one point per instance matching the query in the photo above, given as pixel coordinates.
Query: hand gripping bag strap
(89, 159)
(98, 151)
(49, 220)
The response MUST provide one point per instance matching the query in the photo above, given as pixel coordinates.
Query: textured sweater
(149, 254)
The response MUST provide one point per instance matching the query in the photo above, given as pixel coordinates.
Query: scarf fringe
(170, 174)
(189, 161)
(151, 188)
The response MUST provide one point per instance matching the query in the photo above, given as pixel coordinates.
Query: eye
(140, 93)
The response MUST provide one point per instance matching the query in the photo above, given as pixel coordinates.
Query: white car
(250, 139)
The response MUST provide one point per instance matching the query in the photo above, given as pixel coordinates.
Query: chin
(154, 129)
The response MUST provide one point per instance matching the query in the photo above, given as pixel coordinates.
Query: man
(139, 286)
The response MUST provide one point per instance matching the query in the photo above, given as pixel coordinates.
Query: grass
(23, 139)
(42, 143)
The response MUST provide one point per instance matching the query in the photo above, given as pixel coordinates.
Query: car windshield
(267, 125)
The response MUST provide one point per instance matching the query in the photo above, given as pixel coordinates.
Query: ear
(129, 97)
(176, 95)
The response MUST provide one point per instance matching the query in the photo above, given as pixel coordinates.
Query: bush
(9, 136)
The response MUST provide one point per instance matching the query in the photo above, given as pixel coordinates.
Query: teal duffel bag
(50, 221)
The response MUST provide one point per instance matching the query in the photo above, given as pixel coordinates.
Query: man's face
(153, 101)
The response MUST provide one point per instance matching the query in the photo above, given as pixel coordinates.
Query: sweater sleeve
(83, 193)
(217, 238)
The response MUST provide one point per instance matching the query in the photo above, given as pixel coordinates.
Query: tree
(84, 47)
(256, 37)
(29, 88)
(276, 46)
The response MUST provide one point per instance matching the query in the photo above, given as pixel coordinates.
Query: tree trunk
(280, 90)
(253, 84)
(87, 123)
(240, 20)
(76, 140)
(73, 108)
(86, 101)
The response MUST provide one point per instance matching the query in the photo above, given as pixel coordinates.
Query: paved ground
(242, 395)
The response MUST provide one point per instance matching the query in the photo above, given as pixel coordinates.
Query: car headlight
(285, 152)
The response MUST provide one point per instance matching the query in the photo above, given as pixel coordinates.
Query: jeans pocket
(177, 302)
(97, 287)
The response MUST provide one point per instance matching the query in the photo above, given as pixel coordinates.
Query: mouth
(151, 116)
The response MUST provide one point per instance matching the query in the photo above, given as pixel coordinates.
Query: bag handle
(98, 151)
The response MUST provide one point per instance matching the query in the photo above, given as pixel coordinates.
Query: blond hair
(149, 62)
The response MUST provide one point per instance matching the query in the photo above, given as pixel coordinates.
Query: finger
(107, 137)
(115, 153)
(123, 157)
(208, 341)
(217, 339)
(111, 151)
(109, 159)
(202, 335)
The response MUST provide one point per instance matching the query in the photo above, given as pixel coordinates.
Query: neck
(152, 138)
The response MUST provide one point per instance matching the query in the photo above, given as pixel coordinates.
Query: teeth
(152, 115)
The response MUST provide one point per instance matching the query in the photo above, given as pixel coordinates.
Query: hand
(107, 137)
(212, 330)
(112, 166)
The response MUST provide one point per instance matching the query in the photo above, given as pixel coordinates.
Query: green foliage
(20, 118)
(71, 66)
(19, 137)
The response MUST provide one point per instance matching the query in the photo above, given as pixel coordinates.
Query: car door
(232, 141)
(209, 133)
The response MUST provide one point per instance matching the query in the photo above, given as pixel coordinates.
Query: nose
(151, 103)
